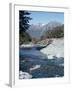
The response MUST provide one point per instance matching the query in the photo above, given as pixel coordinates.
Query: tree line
(56, 32)
(24, 18)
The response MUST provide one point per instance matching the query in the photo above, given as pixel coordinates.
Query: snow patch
(50, 56)
(24, 75)
(56, 48)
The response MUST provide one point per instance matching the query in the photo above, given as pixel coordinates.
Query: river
(37, 65)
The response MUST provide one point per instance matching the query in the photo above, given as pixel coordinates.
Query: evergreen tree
(24, 20)
(23, 26)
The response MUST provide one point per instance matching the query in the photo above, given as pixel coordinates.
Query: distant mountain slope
(36, 31)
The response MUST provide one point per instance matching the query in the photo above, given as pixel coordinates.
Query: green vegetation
(23, 26)
(24, 38)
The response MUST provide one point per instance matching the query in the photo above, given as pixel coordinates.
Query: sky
(45, 17)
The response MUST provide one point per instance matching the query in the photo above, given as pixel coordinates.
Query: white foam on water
(35, 67)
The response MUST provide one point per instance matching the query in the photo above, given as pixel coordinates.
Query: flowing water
(37, 64)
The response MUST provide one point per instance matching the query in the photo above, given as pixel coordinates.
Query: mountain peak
(37, 30)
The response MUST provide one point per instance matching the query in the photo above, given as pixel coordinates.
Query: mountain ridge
(37, 30)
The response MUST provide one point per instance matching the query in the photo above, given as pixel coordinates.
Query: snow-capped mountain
(37, 30)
